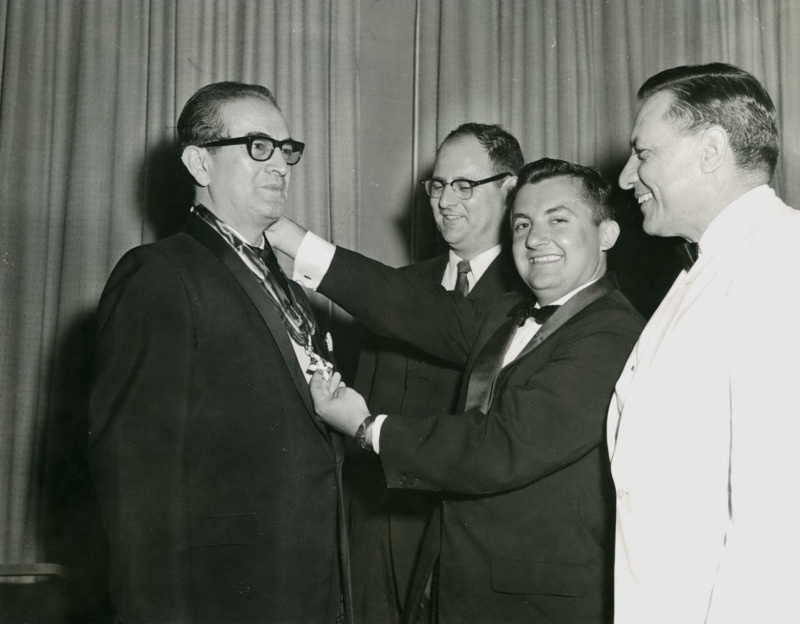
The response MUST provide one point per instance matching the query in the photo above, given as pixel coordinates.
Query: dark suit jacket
(387, 526)
(220, 490)
(528, 516)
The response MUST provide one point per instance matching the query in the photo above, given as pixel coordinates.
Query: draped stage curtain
(562, 75)
(91, 89)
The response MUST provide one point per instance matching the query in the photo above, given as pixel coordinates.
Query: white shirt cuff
(314, 257)
(376, 432)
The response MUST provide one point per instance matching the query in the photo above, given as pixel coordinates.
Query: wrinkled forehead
(253, 115)
(551, 196)
(462, 157)
(653, 113)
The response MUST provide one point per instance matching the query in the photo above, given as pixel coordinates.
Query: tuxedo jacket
(528, 511)
(220, 490)
(387, 526)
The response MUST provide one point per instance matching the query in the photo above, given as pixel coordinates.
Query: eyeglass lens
(262, 148)
(462, 188)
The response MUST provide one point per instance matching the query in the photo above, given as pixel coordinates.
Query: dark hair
(201, 122)
(596, 190)
(718, 94)
(502, 147)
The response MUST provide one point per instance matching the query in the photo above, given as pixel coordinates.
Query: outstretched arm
(388, 301)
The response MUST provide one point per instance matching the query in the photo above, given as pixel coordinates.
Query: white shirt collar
(477, 266)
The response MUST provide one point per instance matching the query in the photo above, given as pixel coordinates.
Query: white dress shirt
(703, 431)
(477, 267)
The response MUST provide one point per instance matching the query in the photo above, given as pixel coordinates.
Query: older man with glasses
(474, 168)
(220, 490)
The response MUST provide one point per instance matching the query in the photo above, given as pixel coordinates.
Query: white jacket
(704, 433)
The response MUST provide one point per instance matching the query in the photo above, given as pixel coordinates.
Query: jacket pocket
(515, 576)
(226, 530)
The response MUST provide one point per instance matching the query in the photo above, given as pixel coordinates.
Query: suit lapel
(488, 373)
(487, 367)
(500, 277)
(434, 269)
(270, 315)
(588, 295)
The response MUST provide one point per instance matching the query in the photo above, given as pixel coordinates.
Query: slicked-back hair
(718, 94)
(201, 122)
(501, 146)
(597, 191)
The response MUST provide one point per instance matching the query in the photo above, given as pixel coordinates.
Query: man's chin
(274, 210)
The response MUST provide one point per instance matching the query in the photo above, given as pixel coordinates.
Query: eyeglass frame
(458, 192)
(248, 141)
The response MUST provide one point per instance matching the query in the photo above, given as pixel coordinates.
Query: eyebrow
(549, 211)
(560, 208)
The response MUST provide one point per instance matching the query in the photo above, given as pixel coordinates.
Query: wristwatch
(361, 433)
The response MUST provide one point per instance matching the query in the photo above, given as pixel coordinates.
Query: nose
(629, 174)
(448, 198)
(536, 237)
(277, 163)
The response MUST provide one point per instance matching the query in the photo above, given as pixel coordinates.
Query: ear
(508, 184)
(196, 160)
(713, 148)
(609, 233)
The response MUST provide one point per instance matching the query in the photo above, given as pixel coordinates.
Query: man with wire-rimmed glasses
(220, 490)
(474, 168)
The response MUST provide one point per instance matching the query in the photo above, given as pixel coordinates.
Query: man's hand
(338, 406)
(285, 235)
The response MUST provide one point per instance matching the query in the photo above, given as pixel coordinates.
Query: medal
(317, 363)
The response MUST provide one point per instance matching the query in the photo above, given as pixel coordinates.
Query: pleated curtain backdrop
(90, 93)
(91, 90)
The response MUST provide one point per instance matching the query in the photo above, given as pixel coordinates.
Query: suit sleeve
(138, 408)
(544, 419)
(396, 303)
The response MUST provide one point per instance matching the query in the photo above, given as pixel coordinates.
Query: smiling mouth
(451, 218)
(643, 198)
(545, 259)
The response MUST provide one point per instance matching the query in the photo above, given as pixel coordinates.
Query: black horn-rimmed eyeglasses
(261, 147)
(462, 187)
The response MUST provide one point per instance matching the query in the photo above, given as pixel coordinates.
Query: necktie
(688, 253)
(528, 309)
(462, 284)
(271, 262)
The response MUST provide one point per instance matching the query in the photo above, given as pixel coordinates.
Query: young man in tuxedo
(528, 502)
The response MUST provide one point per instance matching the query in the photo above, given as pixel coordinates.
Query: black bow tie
(688, 254)
(528, 309)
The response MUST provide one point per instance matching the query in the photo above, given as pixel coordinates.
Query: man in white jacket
(704, 425)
